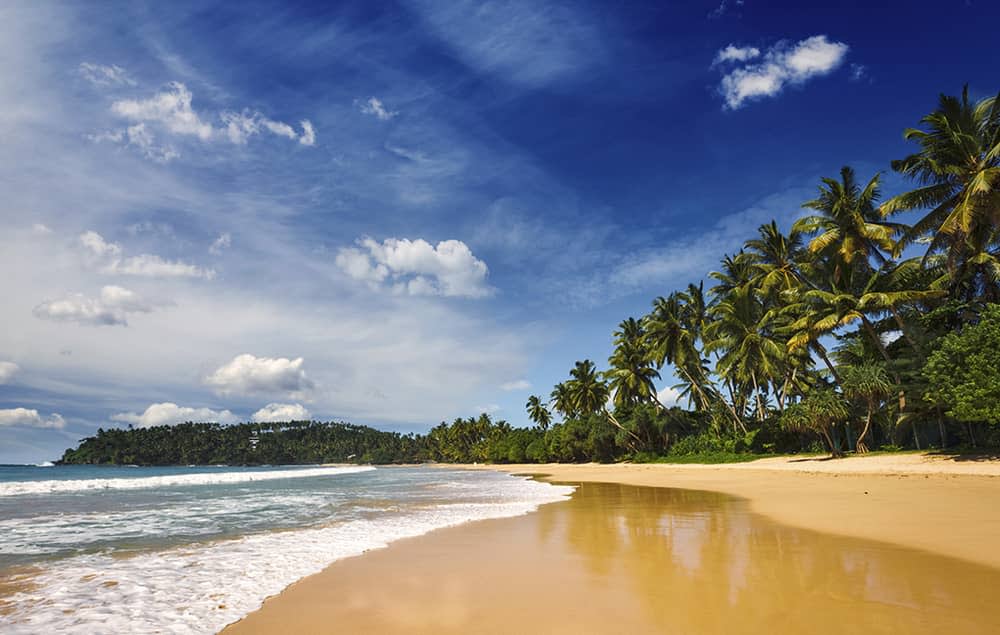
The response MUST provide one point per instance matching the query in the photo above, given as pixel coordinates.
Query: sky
(398, 213)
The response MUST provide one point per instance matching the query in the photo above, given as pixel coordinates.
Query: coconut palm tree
(958, 171)
(848, 227)
(562, 400)
(538, 413)
(632, 373)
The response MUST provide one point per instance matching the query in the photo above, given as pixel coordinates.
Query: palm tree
(778, 260)
(869, 383)
(958, 170)
(562, 400)
(632, 374)
(538, 413)
(848, 227)
(589, 395)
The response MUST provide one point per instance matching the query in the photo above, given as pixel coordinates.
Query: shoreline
(932, 518)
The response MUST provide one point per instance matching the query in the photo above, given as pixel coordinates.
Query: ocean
(89, 549)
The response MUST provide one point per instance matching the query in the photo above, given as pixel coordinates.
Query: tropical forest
(872, 323)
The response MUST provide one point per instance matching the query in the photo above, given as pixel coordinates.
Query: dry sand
(898, 543)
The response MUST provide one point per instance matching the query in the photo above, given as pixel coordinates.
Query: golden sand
(734, 549)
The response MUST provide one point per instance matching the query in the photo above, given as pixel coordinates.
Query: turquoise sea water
(191, 549)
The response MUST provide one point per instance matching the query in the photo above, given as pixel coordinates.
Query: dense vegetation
(849, 332)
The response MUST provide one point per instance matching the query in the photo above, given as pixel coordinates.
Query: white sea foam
(17, 488)
(201, 589)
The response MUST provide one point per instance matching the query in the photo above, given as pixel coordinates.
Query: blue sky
(397, 213)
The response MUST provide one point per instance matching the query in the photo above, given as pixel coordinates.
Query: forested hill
(244, 444)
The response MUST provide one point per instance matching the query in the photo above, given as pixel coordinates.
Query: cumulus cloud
(29, 418)
(782, 65)
(109, 257)
(415, 267)
(248, 374)
(7, 371)
(668, 396)
(374, 106)
(520, 384)
(273, 412)
(110, 308)
(220, 244)
(101, 75)
(170, 414)
(734, 53)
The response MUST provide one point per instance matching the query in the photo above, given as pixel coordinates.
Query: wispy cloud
(784, 64)
(108, 256)
(519, 384)
(725, 7)
(734, 53)
(527, 42)
(374, 106)
(101, 75)
(415, 267)
(220, 244)
(172, 113)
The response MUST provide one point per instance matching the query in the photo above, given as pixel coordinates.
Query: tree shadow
(963, 455)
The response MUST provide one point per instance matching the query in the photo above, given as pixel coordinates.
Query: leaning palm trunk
(610, 417)
(862, 447)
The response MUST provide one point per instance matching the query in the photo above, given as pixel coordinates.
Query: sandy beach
(891, 543)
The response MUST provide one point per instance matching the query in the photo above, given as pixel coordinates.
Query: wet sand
(621, 558)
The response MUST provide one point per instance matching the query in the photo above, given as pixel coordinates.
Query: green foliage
(963, 373)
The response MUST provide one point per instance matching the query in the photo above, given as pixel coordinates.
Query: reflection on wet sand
(701, 562)
(625, 559)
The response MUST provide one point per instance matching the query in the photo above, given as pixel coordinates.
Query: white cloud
(782, 65)
(101, 75)
(248, 374)
(7, 371)
(489, 408)
(29, 417)
(520, 384)
(418, 268)
(111, 308)
(282, 412)
(239, 127)
(668, 396)
(171, 108)
(108, 256)
(170, 414)
(858, 72)
(734, 53)
(140, 137)
(220, 244)
(725, 7)
(41, 229)
(308, 137)
(374, 106)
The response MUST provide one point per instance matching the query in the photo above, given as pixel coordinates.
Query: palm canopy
(587, 393)
(631, 375)
(958, 169)
(537, 412)
(848, 226)
(778, 260)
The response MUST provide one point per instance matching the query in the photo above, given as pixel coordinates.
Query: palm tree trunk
(614, 422)
(888, 361)
(756, 392)
(821, 350)
(862, 447)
